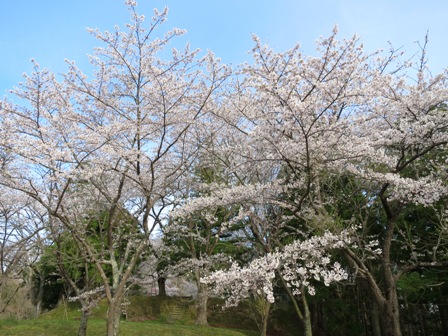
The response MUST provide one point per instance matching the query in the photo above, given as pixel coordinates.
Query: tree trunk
(375, 320)
(265, 318)
(308, 327)
(304, 317)
(82, 331)
(161, 283)
(318, 320)
(113, 318)
(391, 308)
(261, 309)
(390, 319)
(387, 299)
(201, 310)
(40, 293)
(388, 306)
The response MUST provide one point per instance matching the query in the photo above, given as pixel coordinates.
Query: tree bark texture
(201, 309)
(113, 318)
(82, 331)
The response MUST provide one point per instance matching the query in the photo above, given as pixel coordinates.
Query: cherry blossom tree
(403, 145)
(203, 239)
(306, 122)
(111, 142)
(284, 111)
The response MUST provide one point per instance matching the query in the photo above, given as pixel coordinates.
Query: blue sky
(52, 30)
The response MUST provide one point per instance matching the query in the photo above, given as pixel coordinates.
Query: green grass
(39, 327)
(64, 321)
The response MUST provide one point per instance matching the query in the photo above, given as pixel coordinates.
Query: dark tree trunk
(161, 283)
(375, 320)
(443, 310)
(390, 309)
(390, 320)
(40, 294)
(318, 320)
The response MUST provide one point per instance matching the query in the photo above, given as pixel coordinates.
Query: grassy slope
(65, 321)
(40, 327)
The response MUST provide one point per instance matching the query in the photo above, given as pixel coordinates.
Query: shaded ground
(152, 316)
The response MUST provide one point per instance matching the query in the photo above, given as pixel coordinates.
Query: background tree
(21, 240)
(205, 240)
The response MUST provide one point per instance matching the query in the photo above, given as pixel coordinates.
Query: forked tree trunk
(385, 297)
(262, 309)
(264, 323)
(305, 316)
(387, 303)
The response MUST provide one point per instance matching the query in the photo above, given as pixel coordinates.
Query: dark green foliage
(64, 258)
(46, 274)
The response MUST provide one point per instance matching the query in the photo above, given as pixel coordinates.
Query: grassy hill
(145, 316)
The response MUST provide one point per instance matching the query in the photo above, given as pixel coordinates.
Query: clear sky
(52, 30)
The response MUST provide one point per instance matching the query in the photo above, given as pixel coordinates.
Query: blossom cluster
(300, 264)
